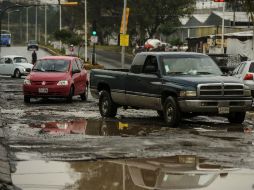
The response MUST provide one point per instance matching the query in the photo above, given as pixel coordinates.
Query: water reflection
(176, 172)
(96, 127)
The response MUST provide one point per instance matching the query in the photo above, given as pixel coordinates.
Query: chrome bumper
(213, 105)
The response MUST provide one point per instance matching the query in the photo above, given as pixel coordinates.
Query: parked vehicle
(56, 76)
(15, 66)
(5, 38)
(32, 44)
(173, 83)
(245, 72)
(226, 62)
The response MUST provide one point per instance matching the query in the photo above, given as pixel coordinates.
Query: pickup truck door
(143, 89)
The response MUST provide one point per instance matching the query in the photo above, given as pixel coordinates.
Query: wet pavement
(49, 144)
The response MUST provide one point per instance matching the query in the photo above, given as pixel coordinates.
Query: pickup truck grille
(221, 89)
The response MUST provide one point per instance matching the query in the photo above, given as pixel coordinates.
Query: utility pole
(124, 32)
(45, 37)
(36, 20)
(222, 30)
(85, 12)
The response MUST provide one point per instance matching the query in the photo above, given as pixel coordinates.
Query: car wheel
(171, 112)
(17, 73)
(236, 117)
(84, 96)
(107, 107)
(71, 93)
(27, 99)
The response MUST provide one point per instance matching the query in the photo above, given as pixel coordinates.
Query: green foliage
(176, 42)
(68, 37)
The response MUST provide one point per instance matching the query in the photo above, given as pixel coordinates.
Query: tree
(159, 15)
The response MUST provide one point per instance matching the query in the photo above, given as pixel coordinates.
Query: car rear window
(251, 69)
(50, 65)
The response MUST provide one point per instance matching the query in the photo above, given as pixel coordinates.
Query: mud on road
(55, 130)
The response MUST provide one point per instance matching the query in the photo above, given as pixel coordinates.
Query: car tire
(27, 99)
(171, 112)
(71, 94)
(84, 96)
(17, 73)
(236, 117)
(106, 105)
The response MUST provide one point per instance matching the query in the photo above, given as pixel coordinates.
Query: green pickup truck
(175, 84)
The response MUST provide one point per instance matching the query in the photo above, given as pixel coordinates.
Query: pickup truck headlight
(62, 83)
(188, 93)
(246, 91)
(27, 82)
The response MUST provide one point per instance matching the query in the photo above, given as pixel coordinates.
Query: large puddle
(176, 172)
(96, 127)
(117, 128)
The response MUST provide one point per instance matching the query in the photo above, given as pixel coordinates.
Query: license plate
(43, 90)
(223, 110)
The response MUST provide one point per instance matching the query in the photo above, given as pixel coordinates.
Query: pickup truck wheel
(236, 117)
(171, 112)
(106, 105)
(160, 113)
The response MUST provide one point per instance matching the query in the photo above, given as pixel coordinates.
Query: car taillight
(248, 76)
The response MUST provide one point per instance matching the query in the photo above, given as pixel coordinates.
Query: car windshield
(32, 42)
(251, 69)
(51, 65)
(189, 65)
(20, 60)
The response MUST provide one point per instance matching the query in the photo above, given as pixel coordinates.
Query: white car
(15, 66)
(245, 72)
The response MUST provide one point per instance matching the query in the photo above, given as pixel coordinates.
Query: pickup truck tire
(107, 107)
(171, 112)
(236, 117)
(160, 113)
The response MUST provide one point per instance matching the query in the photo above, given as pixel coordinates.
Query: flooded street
(51, 144)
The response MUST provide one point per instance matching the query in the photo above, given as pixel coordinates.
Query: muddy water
(175, 172)
(96, 128)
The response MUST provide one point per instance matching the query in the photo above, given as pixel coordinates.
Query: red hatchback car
(58, 77)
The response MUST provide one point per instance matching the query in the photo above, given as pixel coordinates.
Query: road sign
(124, 40)
(94, 39)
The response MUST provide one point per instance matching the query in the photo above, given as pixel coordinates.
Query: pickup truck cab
(173, 83)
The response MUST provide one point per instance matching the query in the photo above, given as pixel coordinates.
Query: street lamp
(27, 23)
(8, 16)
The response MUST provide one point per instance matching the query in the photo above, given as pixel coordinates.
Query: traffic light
(94, 28)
